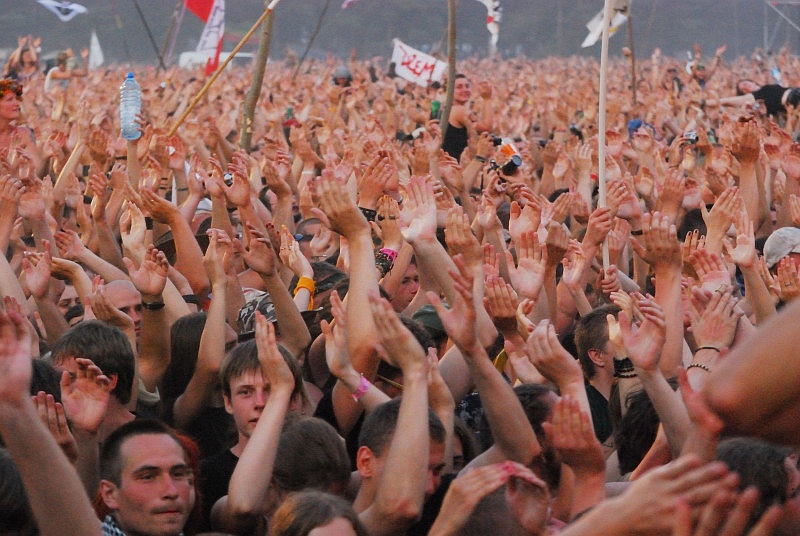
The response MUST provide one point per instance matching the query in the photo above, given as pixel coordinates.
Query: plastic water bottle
(130, 104)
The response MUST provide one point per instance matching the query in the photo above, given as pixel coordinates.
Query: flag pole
(312, 38)
(150, 35)
(250, 101)
(601, 134)
(444, 123)
(204, 89)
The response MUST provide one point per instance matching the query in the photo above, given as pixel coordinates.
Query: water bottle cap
(130, 75)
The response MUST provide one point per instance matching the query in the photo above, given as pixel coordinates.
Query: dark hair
(758, 464)
(111, 461)
(591, 333)
(469, 447)
(16, 516)
(634, 432)
(311, 455)
(379, 427)
(244, 358)
(45, 378)
(184, 337)
(106, 346)
(302, 512)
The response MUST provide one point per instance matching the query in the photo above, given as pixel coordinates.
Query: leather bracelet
(640, 232)
(191, 298)
(481, 159)
(148, 223)
(369, 213)
(153, 306)
(624, 367)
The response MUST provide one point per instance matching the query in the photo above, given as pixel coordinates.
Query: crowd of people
(347, 317)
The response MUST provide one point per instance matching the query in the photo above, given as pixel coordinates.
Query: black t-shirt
(213, 429)
(601, 414)
(325, 412)
(215, 475)
(771, 95)
(455, 141)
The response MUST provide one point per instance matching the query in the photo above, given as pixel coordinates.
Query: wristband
(392, 254)
(148, 222)
(384, 262)
(184, 189)
(623, 368)
(700, 366)
(308, 284)
(362, 389)
(640, 232)
(481, 159)
(707, 348)
(86, 169)
(87, 199)
(369, 213)
(153, 306)
(191, 298)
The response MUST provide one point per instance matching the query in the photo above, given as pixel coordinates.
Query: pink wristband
(392, 254)
(363, 387)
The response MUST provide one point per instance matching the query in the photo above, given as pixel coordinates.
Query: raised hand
(501, 303)
(395, 341)
(527, 277)
(151, 276)
(273, 365)
(85, 395)
(260, 256)
(550, 358)
(459, 320)
(459, 238)
(418, 217)
(336, 209)
(52, 415)
(661, 249)
(571, 434)
(644, 342)
(292, 257)
(15, 358)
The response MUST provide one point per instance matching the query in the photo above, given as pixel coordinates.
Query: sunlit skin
(156, 491)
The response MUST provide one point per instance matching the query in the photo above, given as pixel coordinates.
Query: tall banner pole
(250, 101)
(444, 123)
(222, 65)
(601, 135)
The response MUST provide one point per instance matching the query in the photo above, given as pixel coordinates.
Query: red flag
(213, 63)
(201, 8)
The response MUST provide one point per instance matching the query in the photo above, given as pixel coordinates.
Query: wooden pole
(601, 134)
(210, 81)
(633, 56)
(250, 101)
(451, 65)
(150, 36)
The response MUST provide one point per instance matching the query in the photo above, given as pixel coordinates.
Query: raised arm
(61, 509)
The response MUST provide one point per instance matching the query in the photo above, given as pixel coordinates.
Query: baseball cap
(780, 243)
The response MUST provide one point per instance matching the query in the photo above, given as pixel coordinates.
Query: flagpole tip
(273, 4)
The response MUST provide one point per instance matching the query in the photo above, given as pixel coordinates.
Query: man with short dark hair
(146, 481)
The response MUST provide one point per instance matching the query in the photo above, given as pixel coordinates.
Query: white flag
(64, 10)
(210, 44)
(96, 58)
(416, 66)
(595, 26)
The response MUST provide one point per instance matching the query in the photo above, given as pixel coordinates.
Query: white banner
(210, 43)
(96, 58)
(64, 10)
(416, 66)
(595, 26)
